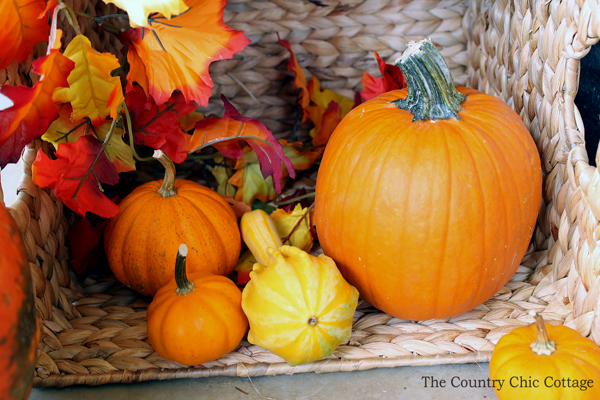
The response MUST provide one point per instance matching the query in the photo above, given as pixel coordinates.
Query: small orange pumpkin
(427, 198)
(141, 241)
(19, 327)
(546, 362)
(197, 320)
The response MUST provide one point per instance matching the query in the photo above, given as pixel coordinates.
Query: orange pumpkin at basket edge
(427, 197)
(141, 241)
(19, 329)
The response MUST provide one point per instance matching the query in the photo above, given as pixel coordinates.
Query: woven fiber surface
(526, 52)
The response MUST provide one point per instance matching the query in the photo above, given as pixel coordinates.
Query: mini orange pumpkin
(546, 362)
(19, 326)
(427, 198)
(197, 320)
(141, 241)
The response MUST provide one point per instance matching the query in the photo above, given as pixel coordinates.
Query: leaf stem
(290, 201)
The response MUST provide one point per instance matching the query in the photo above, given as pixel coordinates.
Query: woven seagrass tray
(526, 52)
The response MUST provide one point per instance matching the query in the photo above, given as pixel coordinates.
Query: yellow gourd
(299, 306)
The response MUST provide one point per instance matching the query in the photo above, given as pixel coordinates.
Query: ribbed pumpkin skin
(281, 298)
(19, 333)
(199, 327)
(576, 357)
(141, 241)
(428, 219)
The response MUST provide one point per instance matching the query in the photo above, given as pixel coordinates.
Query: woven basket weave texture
(525, 52)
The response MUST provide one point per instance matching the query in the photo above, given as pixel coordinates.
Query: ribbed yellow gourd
(299, 306)
(259, 233)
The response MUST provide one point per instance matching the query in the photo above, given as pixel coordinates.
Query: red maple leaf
(33, 108)
(299, 79)
(225, 133)
(392, 79)
(76, 175)
(158, 126)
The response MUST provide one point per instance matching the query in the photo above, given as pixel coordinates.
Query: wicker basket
(526, 52)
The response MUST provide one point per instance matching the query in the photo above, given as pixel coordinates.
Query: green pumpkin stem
(431, 91)
(184, 286)
(168, 186)
(543, 345)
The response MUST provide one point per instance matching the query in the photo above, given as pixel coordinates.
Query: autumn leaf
(158, 126)
(33, 108)
(304, 202)
(391, 79)
(76, 174)
(139, 11)
(21, 29)
(188, 121)
(222, 172)
(299, 79)
(177, 54)
(251, 185)
(90, 84)
(225, 134)
(64, 130)
(244, 267)
(239, 208)
(298, 220)
(326, 110)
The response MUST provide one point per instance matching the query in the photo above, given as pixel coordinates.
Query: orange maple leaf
(33, 108)
(21, 29)
(138, 11)
(176, 55)
(299, 79)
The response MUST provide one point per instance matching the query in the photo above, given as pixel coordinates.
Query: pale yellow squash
(299, 306)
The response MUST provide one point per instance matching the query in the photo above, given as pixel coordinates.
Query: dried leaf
(239, 208)
(91, 85)
(158, 126)
(139, 10)
(176, 55)
(21, 29)
(76, 174)
(33, 108)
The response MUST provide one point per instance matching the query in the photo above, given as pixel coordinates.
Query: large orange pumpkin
(141, 241)
(19, 331)
(427, 198)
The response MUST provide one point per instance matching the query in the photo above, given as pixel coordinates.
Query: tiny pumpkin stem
(543, 345)
(431, 91)
(313, 321)
(168, 186)
(184, 286)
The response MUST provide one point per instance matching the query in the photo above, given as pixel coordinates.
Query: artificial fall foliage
(95, 119)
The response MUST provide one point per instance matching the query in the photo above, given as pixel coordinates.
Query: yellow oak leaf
(286, 221)
(301, 159)
(139, 11)
(64, 130)
(91, 85)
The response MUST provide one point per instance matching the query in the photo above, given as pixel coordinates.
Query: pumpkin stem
(431, 91)
(168, 186)
(184, 286)
(313, 321)
(543, 345)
